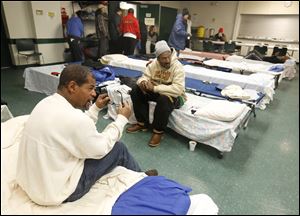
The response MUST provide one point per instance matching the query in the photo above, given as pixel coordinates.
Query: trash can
(201, 32)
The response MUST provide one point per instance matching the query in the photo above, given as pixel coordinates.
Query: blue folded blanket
(103, 74)
(277, 68)
(154, 195)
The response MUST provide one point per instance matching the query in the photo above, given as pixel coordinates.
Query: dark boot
(152, 172)
(135, 128)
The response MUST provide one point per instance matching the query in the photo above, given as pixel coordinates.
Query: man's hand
(149, 86)
(102, 100)
(125, 110)
(142, 86)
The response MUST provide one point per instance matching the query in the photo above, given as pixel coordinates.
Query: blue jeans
(96, 168)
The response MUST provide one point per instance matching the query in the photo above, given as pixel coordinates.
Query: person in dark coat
(144, 31)
(102, 32)
(114, 31)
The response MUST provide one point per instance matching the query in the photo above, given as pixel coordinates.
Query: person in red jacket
(131, 32)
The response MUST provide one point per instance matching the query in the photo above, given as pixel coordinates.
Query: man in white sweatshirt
(164, 83)
(61, 153)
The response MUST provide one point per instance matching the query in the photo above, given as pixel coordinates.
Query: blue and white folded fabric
(277, 68)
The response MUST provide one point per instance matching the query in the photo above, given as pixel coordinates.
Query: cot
(252, 98)
(263, 83)
(40, 79)
(257, 99)
(209, 121)
(219, 56)
(99, 200)
(242, 65)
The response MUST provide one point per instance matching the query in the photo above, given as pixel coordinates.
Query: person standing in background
(75, 31)
(144, 32)
(114, 31)
(131, 32)
(102, 32)
(189, 31)
(152, 38)
(179, 32)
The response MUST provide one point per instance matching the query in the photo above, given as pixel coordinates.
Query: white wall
(19, 19)
(268, 7)
(23, 22)
(274, 8)
(212, 14)
(171, 4)
(47, 26)
(263, 7)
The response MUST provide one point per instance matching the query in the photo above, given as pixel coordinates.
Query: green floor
(259, 176)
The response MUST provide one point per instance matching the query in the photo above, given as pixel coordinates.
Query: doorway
(5, 53)
(166, 25)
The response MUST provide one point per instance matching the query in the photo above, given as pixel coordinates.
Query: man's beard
(167, 66)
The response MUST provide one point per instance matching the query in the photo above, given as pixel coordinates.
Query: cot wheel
(220, 155)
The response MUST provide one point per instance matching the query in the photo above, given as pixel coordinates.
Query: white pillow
(261, 78)
(235, 91)
(221, 110)
(116, 57)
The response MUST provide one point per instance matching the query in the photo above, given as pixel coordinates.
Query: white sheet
(5, 113)
(218, 134)
(39, 79)
(99, 200)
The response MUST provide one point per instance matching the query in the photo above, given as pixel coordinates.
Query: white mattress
(237, 64)
(99, 200)
(218, 134)
(133, 64)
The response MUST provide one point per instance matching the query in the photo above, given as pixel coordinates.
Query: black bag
(129, 81)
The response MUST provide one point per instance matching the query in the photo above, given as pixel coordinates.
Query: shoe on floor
(152, 172)
(155, 139)
(135, 128)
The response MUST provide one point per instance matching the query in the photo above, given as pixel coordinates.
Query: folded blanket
(154, 195)
(277, 68)
(235, 92)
